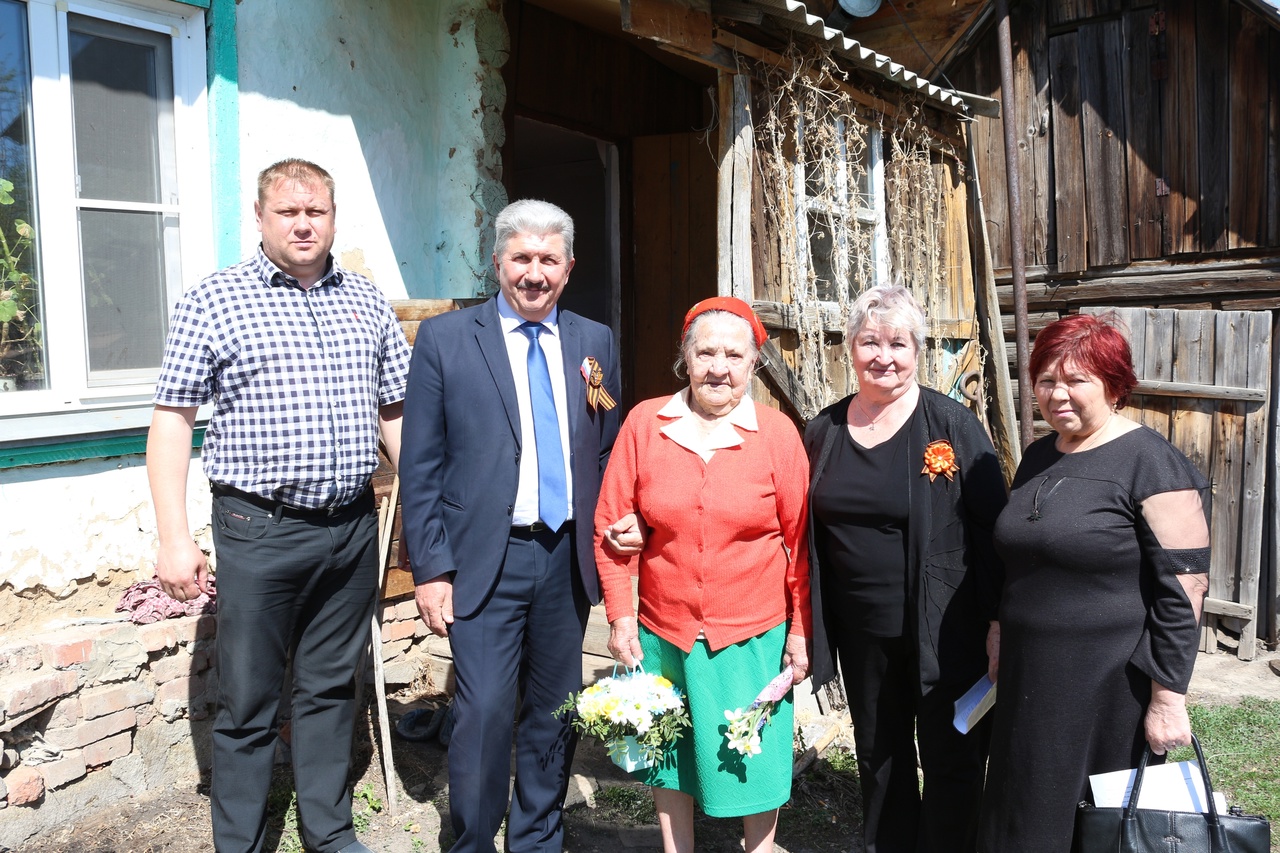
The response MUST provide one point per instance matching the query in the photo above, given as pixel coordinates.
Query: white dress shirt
(526, 508)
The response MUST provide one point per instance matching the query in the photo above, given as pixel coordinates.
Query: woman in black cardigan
(904, 493)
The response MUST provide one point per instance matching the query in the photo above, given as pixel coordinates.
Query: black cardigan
(954, 575)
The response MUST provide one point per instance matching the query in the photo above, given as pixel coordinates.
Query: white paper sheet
(1169, 787)
(974, 704)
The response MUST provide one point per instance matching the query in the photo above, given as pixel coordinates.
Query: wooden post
(1271, 598)
(733, 213)
(990, 328)
(1018, 257)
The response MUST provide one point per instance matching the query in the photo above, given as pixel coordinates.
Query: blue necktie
(553, 493)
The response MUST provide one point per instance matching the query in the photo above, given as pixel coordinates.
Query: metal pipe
(1017, 251)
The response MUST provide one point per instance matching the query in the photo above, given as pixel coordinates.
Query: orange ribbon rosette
(940, 458)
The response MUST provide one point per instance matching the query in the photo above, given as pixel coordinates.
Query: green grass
(630, 806)
(282, 812)
(1242, 748)
(364, 805)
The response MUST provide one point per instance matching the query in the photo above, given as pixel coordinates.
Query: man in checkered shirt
(305, 365)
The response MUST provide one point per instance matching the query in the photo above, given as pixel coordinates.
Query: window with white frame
(104, 205)
(843, 202)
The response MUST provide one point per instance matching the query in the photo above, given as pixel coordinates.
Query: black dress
(1092, 612)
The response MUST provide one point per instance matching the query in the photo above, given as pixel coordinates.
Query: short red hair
(1092, 344)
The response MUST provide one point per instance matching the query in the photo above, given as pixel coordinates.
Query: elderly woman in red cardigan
(719, 485)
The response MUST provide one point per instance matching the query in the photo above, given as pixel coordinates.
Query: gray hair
(532, 216)
(686, 342)
(891, 306)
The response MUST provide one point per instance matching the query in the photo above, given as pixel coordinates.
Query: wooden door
(1203, 379)
(673, 181)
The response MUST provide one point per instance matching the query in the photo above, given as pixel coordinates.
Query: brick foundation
(77, 701)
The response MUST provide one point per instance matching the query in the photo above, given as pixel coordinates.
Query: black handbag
(1134, 830)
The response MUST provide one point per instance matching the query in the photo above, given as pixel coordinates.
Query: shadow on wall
(411, 94)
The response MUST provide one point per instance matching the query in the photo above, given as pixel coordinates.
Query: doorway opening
(580, 174)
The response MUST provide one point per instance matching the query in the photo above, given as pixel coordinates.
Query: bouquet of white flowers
(632, 712)
(745, 724)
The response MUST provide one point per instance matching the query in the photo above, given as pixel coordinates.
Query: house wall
(402, 101)
(1142, 132)
(79, 533)
(1150, 176)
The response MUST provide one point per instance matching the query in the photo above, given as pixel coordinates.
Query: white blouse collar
(683, 428)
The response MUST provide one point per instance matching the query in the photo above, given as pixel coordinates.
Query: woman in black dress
(905, 489)
(1106, 543)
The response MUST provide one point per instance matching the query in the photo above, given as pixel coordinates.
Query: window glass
(121, 84)
(125, 302)
(122, 94)
(22, 346)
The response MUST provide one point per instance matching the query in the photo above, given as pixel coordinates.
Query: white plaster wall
(401, 101)
(80, 521)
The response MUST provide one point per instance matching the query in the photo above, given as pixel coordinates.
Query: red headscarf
(734, 306)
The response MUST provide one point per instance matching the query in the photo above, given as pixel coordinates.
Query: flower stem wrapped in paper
(647, 710)
(745, 724)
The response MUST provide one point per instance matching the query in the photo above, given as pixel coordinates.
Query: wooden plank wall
(574, 76)
(1147, 129)
(1144, 167)
(1068, 153)
(1211, 355)
(1106, 199)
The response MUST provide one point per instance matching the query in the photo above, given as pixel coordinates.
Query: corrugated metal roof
(795, 16)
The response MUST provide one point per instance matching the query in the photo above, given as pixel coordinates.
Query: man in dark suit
(509, 420)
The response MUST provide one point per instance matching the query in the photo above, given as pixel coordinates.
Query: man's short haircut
(293, 169)
(532, 216)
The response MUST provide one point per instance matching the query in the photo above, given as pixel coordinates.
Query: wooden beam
(784, 380)
(1185, 285)
(1228, 608)
(685, 25)
(1200, 392)
(411, 312)
(782, 315)
(1149, 269)
(1003, 412)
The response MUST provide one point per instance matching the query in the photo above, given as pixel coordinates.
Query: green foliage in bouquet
(648, 708)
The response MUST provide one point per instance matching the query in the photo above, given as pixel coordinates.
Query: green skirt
(723, 782)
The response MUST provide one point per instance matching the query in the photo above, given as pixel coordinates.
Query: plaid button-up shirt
(296, 376)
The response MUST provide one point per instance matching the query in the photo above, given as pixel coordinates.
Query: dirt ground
(822, 816)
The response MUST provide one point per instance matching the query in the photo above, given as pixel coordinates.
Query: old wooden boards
(1203, 384)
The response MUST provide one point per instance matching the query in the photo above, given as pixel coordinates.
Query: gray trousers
(300, 585)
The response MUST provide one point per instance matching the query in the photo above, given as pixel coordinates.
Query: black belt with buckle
(272, 507)
(526, 531)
